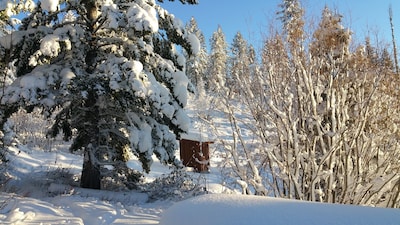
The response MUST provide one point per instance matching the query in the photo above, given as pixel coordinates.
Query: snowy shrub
(121, 179)
(61, 175)
(8, 133)
(318, 120)
(54, 181)
(174, 186)
(31, 129)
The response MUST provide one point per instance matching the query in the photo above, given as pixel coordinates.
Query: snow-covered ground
(43, 189)
(39, 193)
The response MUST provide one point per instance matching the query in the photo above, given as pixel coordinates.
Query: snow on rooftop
(194, 135)
(199, 132)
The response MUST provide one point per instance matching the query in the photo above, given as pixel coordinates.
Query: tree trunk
(90, 177)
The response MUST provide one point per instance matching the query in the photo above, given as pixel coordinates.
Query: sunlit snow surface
(217, 209)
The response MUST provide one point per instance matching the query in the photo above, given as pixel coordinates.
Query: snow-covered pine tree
(7, 25)
(112, 69)
(218, 61)
(196, 65)
(239, 63)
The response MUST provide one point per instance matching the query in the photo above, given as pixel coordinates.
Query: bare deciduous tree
(323, 122)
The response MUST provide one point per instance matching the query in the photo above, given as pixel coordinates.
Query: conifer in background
(196, 65)
(218, 61)
(239, 63)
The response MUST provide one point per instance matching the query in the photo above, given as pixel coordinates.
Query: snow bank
(216, 209)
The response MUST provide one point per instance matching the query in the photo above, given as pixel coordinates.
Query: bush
(177, 185)
(121, 179)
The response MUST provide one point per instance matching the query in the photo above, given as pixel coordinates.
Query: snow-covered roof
(198, 136)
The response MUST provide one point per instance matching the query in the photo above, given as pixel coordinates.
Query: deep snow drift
(217, 209)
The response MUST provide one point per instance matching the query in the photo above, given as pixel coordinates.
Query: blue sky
(253, 17)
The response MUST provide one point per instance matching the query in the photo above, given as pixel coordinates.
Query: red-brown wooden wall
(190, 154)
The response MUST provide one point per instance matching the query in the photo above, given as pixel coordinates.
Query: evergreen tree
(385, 60)
(112, 70)
(196, 65)
(370, 52)
(239, 63)
(218, 61)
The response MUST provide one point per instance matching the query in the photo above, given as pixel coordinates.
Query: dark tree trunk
(87, 138)
(90, 177)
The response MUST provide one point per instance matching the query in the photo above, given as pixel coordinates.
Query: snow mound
(23, 210)
(216, 209)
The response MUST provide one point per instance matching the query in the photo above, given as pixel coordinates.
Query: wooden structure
(195, 154)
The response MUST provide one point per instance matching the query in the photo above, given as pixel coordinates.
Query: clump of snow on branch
(69, 17)
(12, 8)
(7, 6)
(66, 75)
(110, 9)
(50, 5)
(180, 88)
(194, 43)
(37, 87)
(50, 46)
(142, 17)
